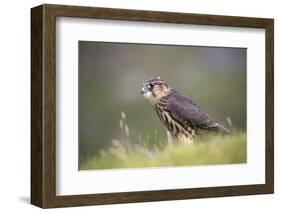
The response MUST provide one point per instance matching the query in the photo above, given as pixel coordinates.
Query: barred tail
(219, 128)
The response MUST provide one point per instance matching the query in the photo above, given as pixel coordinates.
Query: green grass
(215, 149)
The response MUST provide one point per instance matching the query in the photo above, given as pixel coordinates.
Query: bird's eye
(149, 86)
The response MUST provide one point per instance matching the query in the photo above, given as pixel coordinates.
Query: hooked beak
(143, 91)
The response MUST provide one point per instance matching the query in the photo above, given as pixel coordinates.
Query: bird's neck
(164, 95)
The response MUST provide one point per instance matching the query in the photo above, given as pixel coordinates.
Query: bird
(180, 114)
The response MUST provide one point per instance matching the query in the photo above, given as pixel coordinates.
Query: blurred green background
(111, 76)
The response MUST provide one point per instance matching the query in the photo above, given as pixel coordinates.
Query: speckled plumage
(179, 113)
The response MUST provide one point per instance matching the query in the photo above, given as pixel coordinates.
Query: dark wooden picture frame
(43, 105)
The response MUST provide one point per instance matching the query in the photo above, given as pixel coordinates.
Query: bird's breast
(174, 126)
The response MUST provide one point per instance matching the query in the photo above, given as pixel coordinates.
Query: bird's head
(154, 88)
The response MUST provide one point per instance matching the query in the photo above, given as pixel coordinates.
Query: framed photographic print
(135, 106)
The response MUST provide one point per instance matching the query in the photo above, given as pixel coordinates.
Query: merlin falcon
(182, 117)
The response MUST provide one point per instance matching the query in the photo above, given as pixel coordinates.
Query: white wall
(15, 106)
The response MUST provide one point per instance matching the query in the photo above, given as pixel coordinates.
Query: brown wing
(187, 112)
